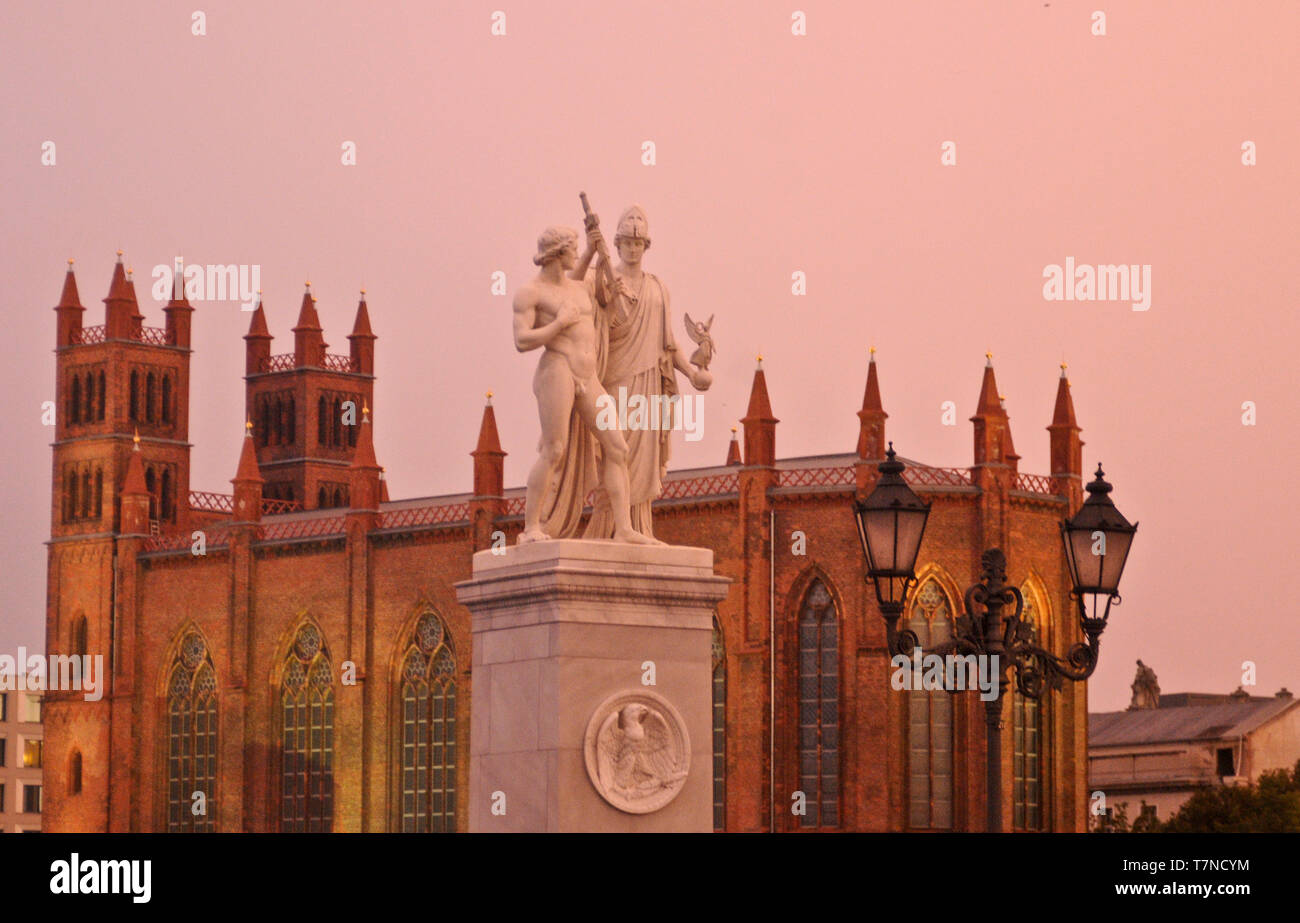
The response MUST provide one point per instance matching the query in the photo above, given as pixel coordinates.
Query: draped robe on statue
(564, 501)
(638, 356)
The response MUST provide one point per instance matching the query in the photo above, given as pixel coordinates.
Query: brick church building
(291, 656)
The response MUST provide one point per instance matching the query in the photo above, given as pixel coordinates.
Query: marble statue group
(600, 333)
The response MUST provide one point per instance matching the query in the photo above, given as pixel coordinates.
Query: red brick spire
(988, 401)
(69, 309)
(992, 431)
(70, 298)
(248, 481)
(1066, 446)
(489, 467)
(364, 456)
(362, 340)
(247, 470)
(760, 425)
(120, 305)
(135, 495)
(1008, 446)
(733, 450)
(134, 484)
(257, 342)
(1063, 414)
(178, 311)
(366, 486)
(872, 416)
(308, 338)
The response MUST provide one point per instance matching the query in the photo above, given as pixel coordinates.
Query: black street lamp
(891, 522)
(1097, 540)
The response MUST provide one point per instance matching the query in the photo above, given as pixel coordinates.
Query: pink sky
(775, 153)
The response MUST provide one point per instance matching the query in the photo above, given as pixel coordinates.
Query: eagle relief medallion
(637, 751)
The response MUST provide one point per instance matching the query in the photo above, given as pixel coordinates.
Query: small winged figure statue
(699, 333)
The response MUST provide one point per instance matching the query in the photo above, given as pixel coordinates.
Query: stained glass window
(1026, 735)
(428, 742)
(719, 729)
(819, 704)
(929, 721)
(191, 737)
(307, 749)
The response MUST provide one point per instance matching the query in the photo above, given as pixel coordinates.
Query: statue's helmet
(633, 224)
(552, 242)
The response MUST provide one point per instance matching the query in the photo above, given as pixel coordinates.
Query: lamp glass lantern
(891, 524)
(1097, 540)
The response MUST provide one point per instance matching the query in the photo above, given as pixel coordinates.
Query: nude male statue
(555, 311)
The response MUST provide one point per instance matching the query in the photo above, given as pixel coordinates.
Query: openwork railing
(218, 536)
(155, 336)
(442, 514)
(1034, 484)
(207, 502)
(213, 537)
(704, 486)
(301, 528)
(88, 335)
(842, 476)
(514, 506)
(281, 363)
(287, 362)
(925, 476)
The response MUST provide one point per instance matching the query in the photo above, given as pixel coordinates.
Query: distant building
(22, 752)
(1163, 748)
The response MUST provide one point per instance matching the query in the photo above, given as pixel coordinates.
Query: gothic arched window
(307, 756)
(352, 429)
(134, 403)
(149, 385)
(165, 496)
(719, 729)
(291, 423)
(322, 422)
(167, 399)
(929, 720)
(191, 738)
(70, 497)
(1026, 741)
(336, 424)
(99, 411)
(86, 495)
(99, 493)
(88, 413)
(151, 483)
(78, 639)
(819, 708)
(74, 401)
(264, 420)
(428, 742)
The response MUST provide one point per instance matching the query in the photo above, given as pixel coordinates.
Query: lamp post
(1097, 539)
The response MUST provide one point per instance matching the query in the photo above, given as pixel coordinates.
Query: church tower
(306, 406)
(121, 470)
(114, 381)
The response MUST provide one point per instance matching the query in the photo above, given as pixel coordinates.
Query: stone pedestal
(566, 634)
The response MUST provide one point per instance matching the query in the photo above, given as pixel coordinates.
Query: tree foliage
(1270, 806)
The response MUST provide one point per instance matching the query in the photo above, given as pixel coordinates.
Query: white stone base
(559, 626)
